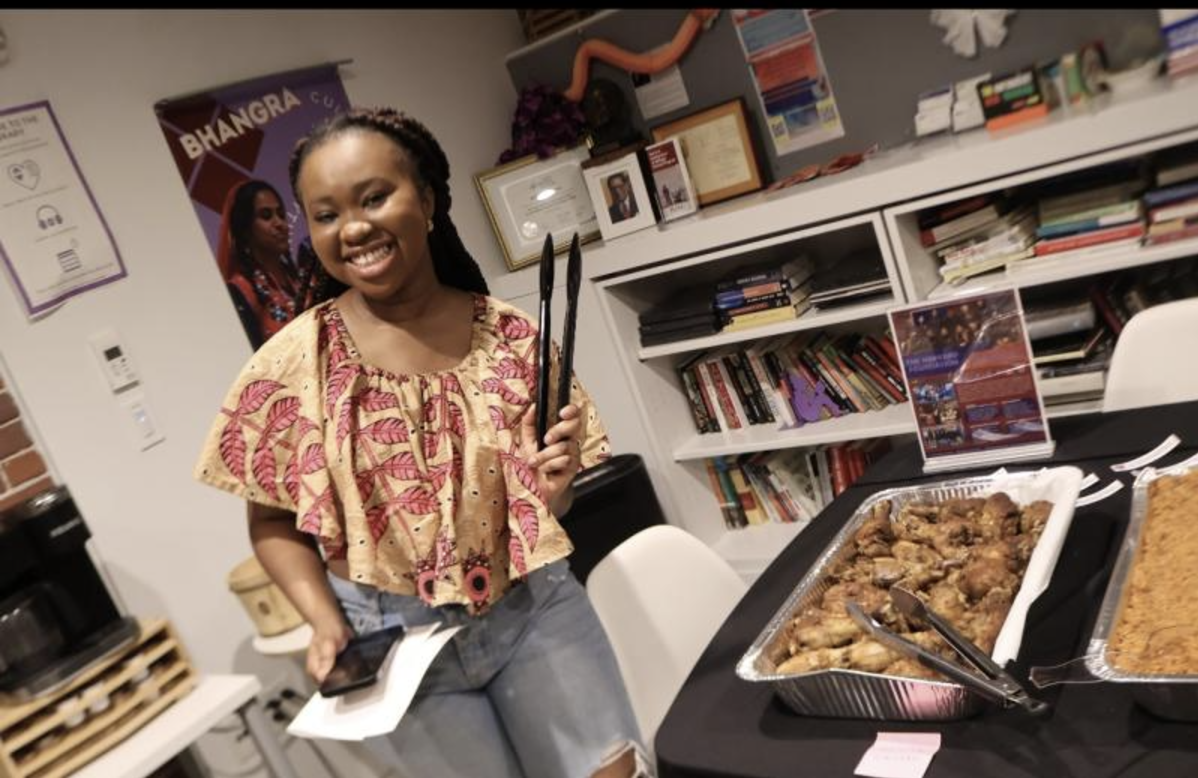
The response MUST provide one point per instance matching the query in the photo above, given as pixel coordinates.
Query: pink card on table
(899, 755)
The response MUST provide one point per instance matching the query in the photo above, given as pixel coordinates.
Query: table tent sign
(967, 364)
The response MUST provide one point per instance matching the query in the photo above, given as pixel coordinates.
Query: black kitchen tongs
(566, 368)
(994, 683)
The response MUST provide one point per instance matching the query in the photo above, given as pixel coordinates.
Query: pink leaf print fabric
(391, 471)
(255, 395)
(232, 449)
(516, 552)
(417, 500)
(387, 431)
(515, 328)
(526, 516)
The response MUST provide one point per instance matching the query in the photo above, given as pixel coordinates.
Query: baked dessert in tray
(1156, 629)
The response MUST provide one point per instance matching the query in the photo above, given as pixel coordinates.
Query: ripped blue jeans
(531, 689)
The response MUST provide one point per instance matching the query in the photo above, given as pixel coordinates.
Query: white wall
(168, 541)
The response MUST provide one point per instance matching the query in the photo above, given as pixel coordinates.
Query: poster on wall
(232, 145)
(969, 373)
(53, 238)
(788, 74)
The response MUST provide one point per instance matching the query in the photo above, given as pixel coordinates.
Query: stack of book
(977, 235)
(1071, 347)
(1013, 98)
(1173, 204)
(689, 313)
(1179, 28)
(753, 297)
(790, 486)
(1102, 213)
(791, 380)
(850, 279)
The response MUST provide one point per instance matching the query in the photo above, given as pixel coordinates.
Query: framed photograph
(718, 150)
(619, 193)
(671, 183)
(530, 197)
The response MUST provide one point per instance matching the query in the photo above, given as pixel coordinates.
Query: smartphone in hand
(357, 666)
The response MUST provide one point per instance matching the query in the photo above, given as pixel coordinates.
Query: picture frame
(529, 197)
(719, 151)
(621, 171)
(672, 185)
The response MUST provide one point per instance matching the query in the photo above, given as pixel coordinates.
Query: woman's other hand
(327, 642)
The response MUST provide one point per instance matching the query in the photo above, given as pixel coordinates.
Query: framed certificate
(718, 151)
(530, 197)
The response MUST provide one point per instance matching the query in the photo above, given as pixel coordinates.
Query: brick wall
(23, 471)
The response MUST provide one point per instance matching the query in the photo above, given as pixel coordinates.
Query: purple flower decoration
(545, 120)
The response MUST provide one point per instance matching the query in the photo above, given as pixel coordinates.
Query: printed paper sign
(970, 377)
(53, 238)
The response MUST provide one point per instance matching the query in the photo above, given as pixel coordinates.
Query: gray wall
(878, 63)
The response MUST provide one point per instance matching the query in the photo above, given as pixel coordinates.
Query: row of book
(1115, 207)
(790, 486)
(791, 380)
(761, 294)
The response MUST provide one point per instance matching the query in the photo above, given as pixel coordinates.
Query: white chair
(661, 595)
(1154, 361)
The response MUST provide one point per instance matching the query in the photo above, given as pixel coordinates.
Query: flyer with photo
(969, 372)
(671, 183)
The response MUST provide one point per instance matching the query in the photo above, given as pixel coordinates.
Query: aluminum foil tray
(857, 694)
(1167, 696)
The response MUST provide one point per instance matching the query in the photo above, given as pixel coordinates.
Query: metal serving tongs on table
(994, 683)
(566, 366)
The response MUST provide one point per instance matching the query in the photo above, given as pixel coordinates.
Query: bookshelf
(872, 209)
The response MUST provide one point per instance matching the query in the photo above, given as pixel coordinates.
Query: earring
(430, 225)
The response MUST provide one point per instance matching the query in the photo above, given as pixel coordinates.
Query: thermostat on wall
(114, 360)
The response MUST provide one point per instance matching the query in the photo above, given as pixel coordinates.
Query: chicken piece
(818, 659)
(1021, 547)
(856, 568)
(930, 640)
(887, 570)
(875, 534)
(910, 668)
(987, 617)
(948, 601)
(952, 537)
(926, 511)
(1034, 517)
(966, 508)
(912, 529)
(999, 517)
(870, 656)
(980, 576)
(869, 597)
(997, 551)
(830, 632)
(922, 564)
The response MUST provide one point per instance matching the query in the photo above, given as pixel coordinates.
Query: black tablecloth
(720, 725)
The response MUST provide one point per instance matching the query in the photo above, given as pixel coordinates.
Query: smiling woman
(385, 442)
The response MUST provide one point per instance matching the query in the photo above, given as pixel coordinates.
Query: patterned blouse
(415, 480)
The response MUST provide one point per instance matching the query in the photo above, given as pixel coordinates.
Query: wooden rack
(54, 735)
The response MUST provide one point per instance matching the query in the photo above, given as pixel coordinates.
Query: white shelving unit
(871, 208)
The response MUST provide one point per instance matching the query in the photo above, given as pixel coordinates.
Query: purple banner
(232, 145)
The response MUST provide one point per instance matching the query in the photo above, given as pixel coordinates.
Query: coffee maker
(57, 617)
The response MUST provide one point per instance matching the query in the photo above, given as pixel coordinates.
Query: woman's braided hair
(451, 261)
